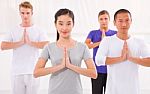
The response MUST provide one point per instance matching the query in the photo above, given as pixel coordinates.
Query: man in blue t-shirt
(93, 41)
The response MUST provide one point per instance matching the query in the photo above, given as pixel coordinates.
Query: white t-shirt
(123, 76)
(25, 57)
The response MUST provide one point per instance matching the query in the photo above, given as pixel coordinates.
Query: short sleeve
(45, 53)
(90, 35)
(102, 52)
(86, 54)
(43, 36)
(145, 50)
(8, 37)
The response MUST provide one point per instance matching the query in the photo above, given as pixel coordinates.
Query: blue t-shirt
(96, 36)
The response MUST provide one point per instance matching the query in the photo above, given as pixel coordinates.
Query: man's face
(103, 20)
(123, 22)
(26, 14)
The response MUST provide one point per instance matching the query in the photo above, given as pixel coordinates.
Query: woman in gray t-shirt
(66, 56)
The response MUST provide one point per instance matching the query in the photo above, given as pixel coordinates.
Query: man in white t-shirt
(122, 53)
(25, 40)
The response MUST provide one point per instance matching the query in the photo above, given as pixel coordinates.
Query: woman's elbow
(94, 75)
(2, 46)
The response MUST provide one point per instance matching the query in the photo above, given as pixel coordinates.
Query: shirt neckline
(68, 48)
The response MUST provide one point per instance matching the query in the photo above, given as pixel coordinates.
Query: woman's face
(64, 25)
(103, 20)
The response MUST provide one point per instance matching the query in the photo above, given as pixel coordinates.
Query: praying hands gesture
(25, 38)
(125, 52)
(125, 55)
(65, 61)
(103, 32)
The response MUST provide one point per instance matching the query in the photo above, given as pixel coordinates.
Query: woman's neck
(105, 29)
(68, 43)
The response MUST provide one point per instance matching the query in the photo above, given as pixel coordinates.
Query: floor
(85, 92)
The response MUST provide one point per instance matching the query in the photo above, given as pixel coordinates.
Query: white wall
(86, 12)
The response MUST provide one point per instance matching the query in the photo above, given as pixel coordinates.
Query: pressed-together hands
(91, 45)
(25, 38)
(125, 55)
(65, 61)
(12, 45)
(103, 32)
(125, 51)
(40, 69)
(103, 35)
(90, 71)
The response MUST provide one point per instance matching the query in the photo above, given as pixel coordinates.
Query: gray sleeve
(86, 53)
(45, 53)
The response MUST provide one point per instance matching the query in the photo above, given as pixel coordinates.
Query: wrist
(122, 58)
(68, 66)
(21, 42)
(62, 65)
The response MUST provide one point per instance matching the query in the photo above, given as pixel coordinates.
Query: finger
(66, 53)
(24, 32)
(125, 45)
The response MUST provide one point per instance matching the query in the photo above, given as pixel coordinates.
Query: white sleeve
(102, 52)
(43, 36)
(145, 50)
(8, 37)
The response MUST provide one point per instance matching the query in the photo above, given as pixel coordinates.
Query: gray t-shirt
(65, 81)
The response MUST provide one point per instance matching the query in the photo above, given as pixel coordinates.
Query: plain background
(86, 19)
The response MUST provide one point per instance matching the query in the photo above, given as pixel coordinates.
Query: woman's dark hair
(63, 12)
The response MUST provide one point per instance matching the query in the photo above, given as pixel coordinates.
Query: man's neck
(123, 36)
(26, 24)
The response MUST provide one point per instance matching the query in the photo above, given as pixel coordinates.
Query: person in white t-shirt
(25, 40)
(122, 53)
